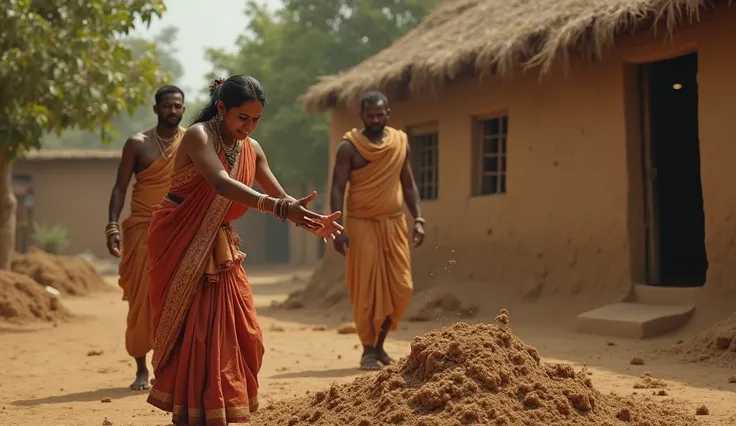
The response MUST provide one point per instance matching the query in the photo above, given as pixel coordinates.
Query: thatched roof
(477, 37)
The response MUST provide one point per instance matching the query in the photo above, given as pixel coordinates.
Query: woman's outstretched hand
(323, 226)
(330, 228)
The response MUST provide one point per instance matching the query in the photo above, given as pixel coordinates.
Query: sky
(214, 23)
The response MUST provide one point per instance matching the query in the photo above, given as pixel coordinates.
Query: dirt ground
(60, 375)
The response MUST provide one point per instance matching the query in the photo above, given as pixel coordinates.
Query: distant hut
(567, 148)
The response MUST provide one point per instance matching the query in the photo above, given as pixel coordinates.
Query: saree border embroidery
(165, 401)
(184, 175)
(182, 287)
(162, 397)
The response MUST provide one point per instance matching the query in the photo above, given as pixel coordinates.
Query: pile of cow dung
(23, 300)
(715, 343)
(68, 275)
(470, 374)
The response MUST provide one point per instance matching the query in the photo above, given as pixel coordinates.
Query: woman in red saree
(208, 346)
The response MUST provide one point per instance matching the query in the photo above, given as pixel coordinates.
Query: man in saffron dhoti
(376, 162)
(149, 156)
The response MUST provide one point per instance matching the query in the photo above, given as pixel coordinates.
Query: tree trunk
(8, 205)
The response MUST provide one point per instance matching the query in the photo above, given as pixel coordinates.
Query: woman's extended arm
(198, 147)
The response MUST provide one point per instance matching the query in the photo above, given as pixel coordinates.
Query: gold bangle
(111, 232)
(261, 206)
(420, 220)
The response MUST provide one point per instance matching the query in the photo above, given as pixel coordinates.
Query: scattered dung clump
(469, 374)
(348, 328)
(68, 275)
(23, 300)
(647, 381)
(715, 343)
(637, 360)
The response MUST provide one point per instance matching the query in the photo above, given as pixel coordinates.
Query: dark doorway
(277, 240)
(676, 255)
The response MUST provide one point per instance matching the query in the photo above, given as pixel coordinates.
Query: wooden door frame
(649, 177)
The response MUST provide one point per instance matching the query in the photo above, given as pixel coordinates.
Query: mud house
(580, 149)
(71, 188)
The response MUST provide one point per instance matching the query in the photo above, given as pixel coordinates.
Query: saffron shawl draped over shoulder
(208, 346)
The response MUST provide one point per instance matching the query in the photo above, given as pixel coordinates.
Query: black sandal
(369, 362)
(384, 358)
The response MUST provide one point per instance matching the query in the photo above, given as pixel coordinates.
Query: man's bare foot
(383, 357)
(141, 381)
(369, 361)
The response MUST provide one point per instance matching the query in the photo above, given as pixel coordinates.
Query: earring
(219, 116)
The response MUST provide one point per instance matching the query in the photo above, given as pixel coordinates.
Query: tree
(287, 49)
(64, 64)
(125, 124)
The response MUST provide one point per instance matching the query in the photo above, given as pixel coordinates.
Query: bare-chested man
(376, 162)
(150, 156)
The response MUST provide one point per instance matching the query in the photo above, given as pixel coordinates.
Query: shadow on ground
(87, 396)
(17, 330)
(320, 374)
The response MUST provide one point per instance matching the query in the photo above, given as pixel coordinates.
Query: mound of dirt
(440, 305)
(69, 275)
(325, 289)
(470, 374)
(22, 300)
(715, 343)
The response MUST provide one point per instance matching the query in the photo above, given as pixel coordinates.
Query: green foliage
(288, 49)
(125, 125)
(51, 239)
(64, 64)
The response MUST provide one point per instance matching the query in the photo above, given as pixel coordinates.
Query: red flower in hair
(216, 84)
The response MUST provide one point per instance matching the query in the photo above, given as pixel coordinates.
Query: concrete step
(670, 296)
(634, 320)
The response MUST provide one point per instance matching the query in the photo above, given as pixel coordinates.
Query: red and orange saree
(208, 346)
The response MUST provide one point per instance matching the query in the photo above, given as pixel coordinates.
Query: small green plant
(51, 239)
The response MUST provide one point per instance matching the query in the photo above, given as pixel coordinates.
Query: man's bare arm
(341, 175)
(409, 187)
(264, 175)
(125, 172)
